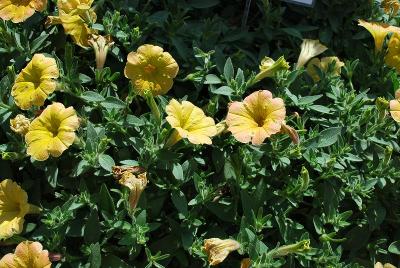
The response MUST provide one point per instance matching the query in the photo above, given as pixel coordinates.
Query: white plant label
(302, 2)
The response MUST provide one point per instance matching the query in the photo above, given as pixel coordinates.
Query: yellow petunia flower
(27, 255)
(13, 208)
(35, 82)
(323, 64)
(218, 249)
(256, 118)
(309, 49)
(52, 132)
(269, 67)
(151, 70)
(134, 178)
(20, 10)
(387, 265)
(392, 57)
(379, 31)
(20, 124)
(394, 107)
(189, 121)
(391, 7)
(75, 16)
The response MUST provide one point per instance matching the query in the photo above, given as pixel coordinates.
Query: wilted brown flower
(218, 249)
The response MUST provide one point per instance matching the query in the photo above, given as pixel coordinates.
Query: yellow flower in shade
(75, 16)
(35, 82)
(379, 31)
(189, 121)
(392, 57)
(380, 265)
(20, 124)
(309, 49)
(299, 247)
(256, 118)
(27, 255)
(13, 208)
(218, 249)
(245, 263)
(151, 70)
(20, 10)
(323, 64)
(52, 132)
(394, 107)
(269, 67)
(100, 45)
(391, 7)
(135, 178)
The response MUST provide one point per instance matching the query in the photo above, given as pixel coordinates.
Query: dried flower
(20, 124)
(256, 118)
(151, 70)
(189, 121)
(323, 65)
(294, 136)
(269, 67)
(52, 132)
(100, 45)
(35, 82)
(245, 263)
(135, 178)
(27, 255)
(19, 11)
(218, 249)
(309, 49)
(391, 7)
(13, 208)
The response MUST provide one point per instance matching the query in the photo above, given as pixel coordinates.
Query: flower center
(54, 126)
(149, 68)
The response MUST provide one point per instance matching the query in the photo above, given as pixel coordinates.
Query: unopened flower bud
(20, 124)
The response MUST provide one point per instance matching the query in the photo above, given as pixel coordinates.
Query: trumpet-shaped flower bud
(299, 247)
(309, 49)
(101, 45)
(379, 31)
(218, 249)
(269, 67)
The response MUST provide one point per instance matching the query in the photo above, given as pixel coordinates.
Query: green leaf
(329, 136)
(106, 162)
(228, 70)
(180, 202)
(52, 175)
(95, 256)
(92, 228)
(212, 79)
(91, 96)
(224, 90)
(394, 247)
(105, 201)
(177, 171)
(113, 103)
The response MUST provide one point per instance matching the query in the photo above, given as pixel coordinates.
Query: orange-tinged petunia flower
(20, 124)
(218, 249)
(13, 208)
(52, 132)
(379, 31)
(20, 10)
(151, 70)
(27, 254)
(256, 118)
(35, 82)
(309, 49)
(395, 109)
(323, 64)
(189, 121)
(68, 6)
(392, 57)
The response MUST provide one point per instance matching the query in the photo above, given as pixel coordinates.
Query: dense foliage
(338, 187)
